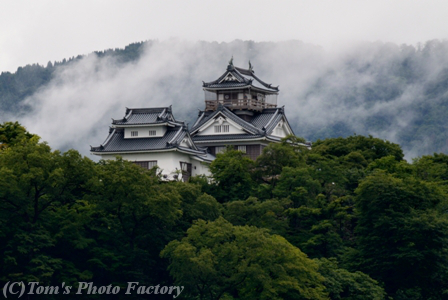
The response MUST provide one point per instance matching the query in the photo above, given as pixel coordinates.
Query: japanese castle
(240, 111)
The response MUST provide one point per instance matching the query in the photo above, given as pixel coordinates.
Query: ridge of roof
(280, 115)
(245, 71)
(270, 120)
(154, 115)
(200, 116)
(238, 120)
(226, 137)
(111, 133)
(263, 120)
(270, 127)
(140, 110)
(228, 114)
(116, 142)
(241, 75)
(174, 140)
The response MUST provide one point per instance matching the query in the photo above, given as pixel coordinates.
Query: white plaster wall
(168, 162)
(199, 168)
(144, 131)
(283, 131)
(186, 142)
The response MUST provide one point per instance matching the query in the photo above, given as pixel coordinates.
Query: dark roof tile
(224, 137)
(116, 142)
(140, 116)
(230, 115)
(243, 78)
(263, 123)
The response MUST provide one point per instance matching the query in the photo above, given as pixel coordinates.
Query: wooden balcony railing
(249, 104)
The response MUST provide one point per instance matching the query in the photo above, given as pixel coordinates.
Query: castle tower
(240, 111)
(240, 91)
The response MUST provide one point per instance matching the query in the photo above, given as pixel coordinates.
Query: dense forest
(394, 92)
(347, 219)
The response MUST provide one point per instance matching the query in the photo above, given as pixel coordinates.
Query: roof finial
(231, 61)
(250, 67)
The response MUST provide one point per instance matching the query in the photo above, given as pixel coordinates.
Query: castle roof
(235, 77)
(146, 116)
(172, 139)
(115, 142)
(261, 124)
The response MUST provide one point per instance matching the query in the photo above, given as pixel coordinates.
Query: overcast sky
(47, 30)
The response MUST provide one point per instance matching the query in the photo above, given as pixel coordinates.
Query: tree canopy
(217, 258)
(342, 220)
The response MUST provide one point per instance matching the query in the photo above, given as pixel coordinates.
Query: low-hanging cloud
(359, 90)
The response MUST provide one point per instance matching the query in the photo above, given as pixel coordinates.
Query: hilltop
(394, 92)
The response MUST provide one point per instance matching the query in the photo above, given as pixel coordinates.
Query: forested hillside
(394, 92)
(16, 87)
(349, 219)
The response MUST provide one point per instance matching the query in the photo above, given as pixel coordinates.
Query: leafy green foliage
(358, 149)
(231, 172)
(11, 133)
(38, 187)
(135, 216)
(342, 284)
(372, 222)
(402, 234)
(275, 156)
(433, 168)
(269, 214)
(217, 258)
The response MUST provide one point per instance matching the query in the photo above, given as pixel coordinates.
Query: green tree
(40, 192)
(402, 235)
(433, 168)
(217, 260)
(34, 178)
(369, 148)
(269, 214)
(134, 219)
(319, 216)
(11, 133)
(274, 158)
(231, 173)
(196, 204)
(342, 284)
(298, 185)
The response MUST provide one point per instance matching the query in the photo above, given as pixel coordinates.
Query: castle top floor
(239, 89)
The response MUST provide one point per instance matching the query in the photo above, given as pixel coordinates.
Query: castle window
(242, 149)
(186, 170)
(152, 164)
(152, 132)
(220, 149)
(222, 128)
(146, 164)
(134, 133)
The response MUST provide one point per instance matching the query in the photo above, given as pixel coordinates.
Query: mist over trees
(394, 92)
